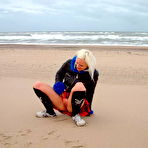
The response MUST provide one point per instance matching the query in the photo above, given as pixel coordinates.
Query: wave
(94, 38)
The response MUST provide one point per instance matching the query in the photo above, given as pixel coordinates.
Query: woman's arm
(90, 87)
(61, 72)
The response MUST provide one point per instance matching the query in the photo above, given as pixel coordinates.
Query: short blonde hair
(89, 59)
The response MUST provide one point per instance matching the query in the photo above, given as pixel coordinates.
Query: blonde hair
(89, 59)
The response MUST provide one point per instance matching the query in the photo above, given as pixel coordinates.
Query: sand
(120, 117)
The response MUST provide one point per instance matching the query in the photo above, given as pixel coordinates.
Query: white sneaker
(78, 120)
(43, 114)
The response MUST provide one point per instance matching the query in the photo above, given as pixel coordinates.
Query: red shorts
(85, 109)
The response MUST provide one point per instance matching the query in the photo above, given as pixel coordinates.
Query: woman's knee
(37, 85)
(79, 86)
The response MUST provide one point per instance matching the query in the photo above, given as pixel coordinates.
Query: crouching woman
(74, 87)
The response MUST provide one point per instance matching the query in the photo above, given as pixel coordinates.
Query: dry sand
(120, 103)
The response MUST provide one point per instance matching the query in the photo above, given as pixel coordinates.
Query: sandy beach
(120, 117)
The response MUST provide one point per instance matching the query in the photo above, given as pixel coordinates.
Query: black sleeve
(90, 87)
(61, 72)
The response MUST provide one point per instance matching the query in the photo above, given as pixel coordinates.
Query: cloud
(93, 14)
(26, 6)
(67, 7)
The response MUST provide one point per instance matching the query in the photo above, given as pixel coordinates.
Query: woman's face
(81, 64)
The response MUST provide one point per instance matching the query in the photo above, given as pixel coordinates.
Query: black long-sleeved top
(69, 77)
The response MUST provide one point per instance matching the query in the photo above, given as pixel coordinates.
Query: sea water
(76, 38)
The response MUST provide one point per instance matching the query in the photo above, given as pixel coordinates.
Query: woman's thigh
(54, 97)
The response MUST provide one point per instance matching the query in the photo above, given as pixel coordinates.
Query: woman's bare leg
(53, 96)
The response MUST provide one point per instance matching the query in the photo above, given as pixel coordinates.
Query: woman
(73, 90)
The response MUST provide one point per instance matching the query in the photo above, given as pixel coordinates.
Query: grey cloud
(94, 13)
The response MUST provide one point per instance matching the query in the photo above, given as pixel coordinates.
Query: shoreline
(67, 47)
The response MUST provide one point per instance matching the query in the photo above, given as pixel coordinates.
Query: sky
(73, 15)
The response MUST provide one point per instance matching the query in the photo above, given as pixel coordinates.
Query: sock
(45, 100)
(77, 100)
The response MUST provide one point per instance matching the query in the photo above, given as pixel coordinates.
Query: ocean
(76, 38)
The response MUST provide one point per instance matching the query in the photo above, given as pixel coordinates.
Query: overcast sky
(73, 15)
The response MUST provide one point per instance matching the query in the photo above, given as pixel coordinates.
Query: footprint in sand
(51, 133)
(4, 139)
(68, 143)
(25, 132)
(73, 144)
(78, 146)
